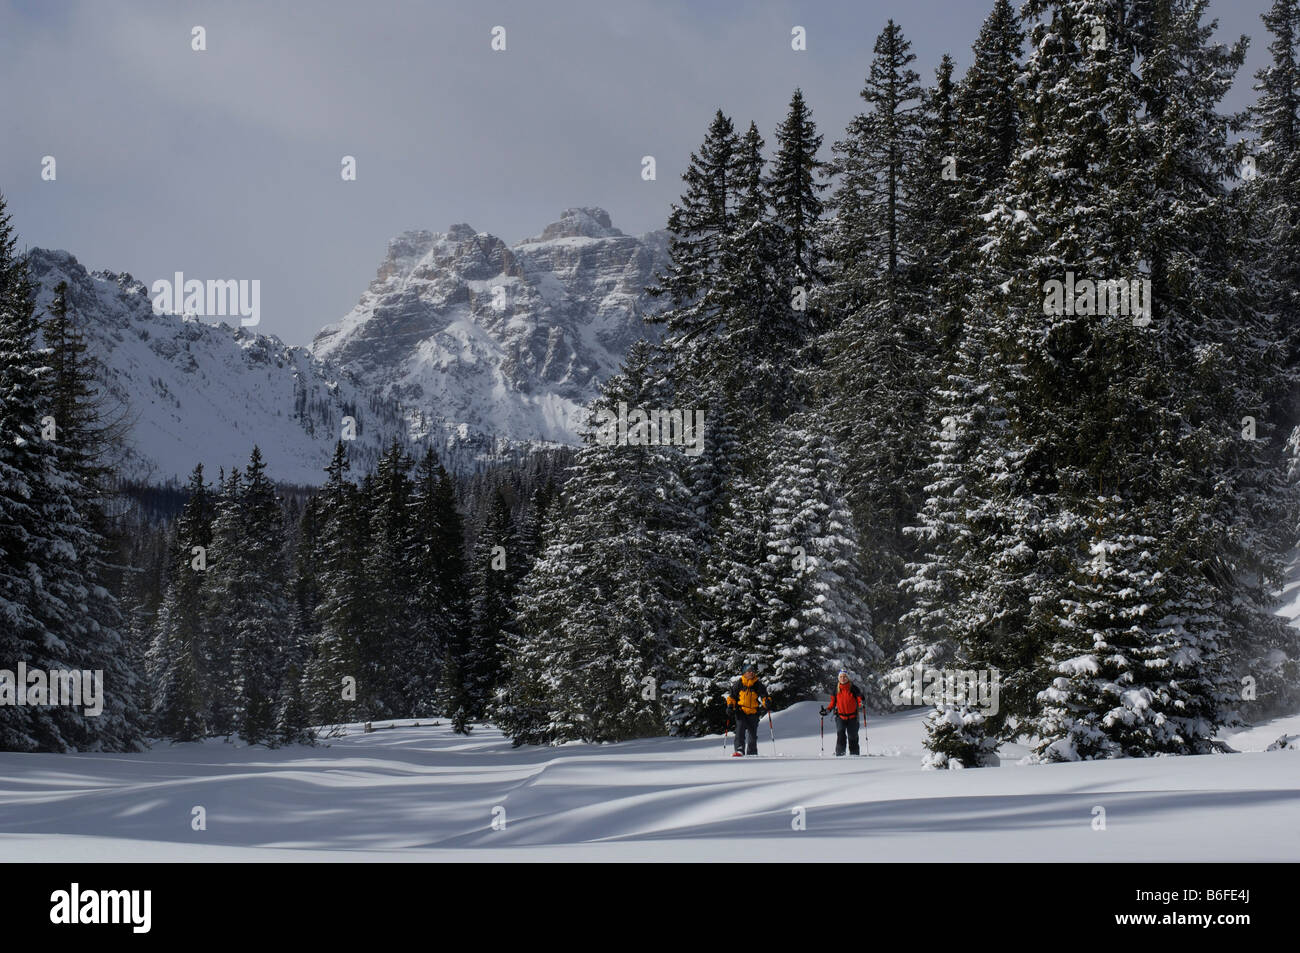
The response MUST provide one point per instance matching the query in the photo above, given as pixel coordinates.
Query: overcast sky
(226, 163)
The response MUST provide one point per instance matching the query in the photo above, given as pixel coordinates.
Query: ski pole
(822, 753)
(772, 730)
(725, 731)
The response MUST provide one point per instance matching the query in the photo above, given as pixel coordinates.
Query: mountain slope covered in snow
(195, 391)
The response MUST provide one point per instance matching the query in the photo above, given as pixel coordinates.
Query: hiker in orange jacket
(845, 704)
(746, 696)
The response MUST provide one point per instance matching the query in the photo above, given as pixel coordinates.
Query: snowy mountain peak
(466, 331)
(579, 223)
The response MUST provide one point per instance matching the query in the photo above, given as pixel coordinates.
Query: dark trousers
(847, 729)
(746, 725)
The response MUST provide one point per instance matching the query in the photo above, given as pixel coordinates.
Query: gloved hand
(822, 712)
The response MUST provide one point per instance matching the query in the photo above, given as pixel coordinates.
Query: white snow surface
(423, 793)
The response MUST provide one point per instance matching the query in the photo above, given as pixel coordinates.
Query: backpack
(748, 697)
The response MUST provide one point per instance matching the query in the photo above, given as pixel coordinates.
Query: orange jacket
(846, 701)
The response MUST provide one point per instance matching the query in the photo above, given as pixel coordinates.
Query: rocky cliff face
(195, 391)
(469, 333)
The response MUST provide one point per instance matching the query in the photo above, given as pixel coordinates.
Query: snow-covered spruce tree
(293, 718)
(813, 604)
(939, 272)
(1272, 194)
(795, 187)
(304, 632)
(600, 612)
(728, 605)
(218, 648)
(939, 278)
(338, 676)
(988, 103)
(698, 226)
(176, 659)
(1209, 290)
(494, 578)
(1227, 296)
(524, 707)
(438, 598)
(81, 433)
(1034, 490)
(248, 598)
(742, 369)
(1266, 661)
(750, 356)
(879, 356)
(389, 570)
(946, 571)
(532, 524)
(869, 204)
(23, 633)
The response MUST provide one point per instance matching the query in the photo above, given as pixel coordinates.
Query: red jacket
(846, 701)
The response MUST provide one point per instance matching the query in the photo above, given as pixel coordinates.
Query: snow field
(409, 793)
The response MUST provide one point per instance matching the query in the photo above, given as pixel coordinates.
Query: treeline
(270, 617)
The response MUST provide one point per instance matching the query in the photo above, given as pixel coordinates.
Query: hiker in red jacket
(845, 704)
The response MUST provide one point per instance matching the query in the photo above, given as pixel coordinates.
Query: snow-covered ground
(424, 793)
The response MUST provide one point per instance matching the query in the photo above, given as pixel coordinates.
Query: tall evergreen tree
(494, 577)
(23, 635)
(600, 610)
(816, 615)
(392, 632)
(177, 668)
(249, 596)
(796, 186)
(698, 227)
(439, 593)
(878, 362)
(985, 112)
(339, 676)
